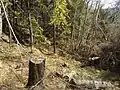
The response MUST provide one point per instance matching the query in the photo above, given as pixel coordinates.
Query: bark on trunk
(36, 73)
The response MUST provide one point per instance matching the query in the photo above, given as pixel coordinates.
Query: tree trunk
(36, 73)
(31, 33)
(0, 21)
(54, 34)
(54, 39)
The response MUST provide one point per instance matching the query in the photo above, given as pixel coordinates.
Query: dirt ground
(14, 69)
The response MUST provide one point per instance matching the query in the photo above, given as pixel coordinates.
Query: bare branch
(99, 7)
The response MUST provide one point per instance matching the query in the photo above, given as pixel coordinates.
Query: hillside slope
(14, 69)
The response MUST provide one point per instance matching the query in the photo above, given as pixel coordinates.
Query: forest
(59, 45)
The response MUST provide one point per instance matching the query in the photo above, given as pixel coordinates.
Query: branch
(5, 8)
(6, 16)
(9, 22)
(97, 21)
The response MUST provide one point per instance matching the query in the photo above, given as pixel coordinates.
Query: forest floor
(14, 69)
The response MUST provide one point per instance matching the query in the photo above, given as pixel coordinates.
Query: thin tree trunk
(30, 24)
(10, 32)
(0, 21)
(54, 39)
(31, 33)
(10, 35)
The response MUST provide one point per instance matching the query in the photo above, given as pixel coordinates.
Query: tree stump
(36, 73)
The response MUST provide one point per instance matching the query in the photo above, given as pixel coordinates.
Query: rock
(69, 76)
(1, 65)
(5, 38)
(65, 64)
(1, 49)
(94, 58)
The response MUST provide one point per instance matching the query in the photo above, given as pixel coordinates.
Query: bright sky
(107, 3)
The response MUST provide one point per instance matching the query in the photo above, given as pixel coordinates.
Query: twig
(37, 83)
(5, 8)
(15, 73)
